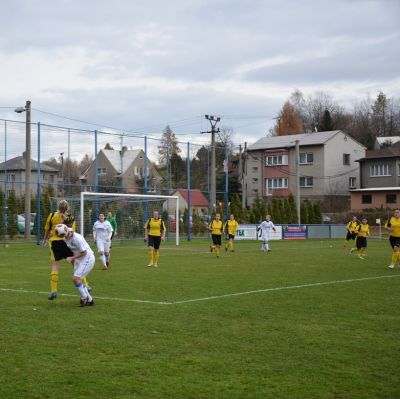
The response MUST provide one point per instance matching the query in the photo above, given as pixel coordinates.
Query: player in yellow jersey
(361, 240)
(58, 248)
(230, 228)
(393, 226)
(154, 233)
(351, 228)
(216, 227)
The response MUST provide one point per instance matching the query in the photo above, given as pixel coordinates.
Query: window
(306, 158)
(379, 170)
(391, 198)
(254, 168)
(255, 179)
(101, 171)
(352, 182)
(274, 160)
(306, 181)
(346, 159)
(51, 178)
(366, 199)
(273, 184)
(11, 178)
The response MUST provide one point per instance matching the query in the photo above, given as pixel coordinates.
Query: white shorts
(83, 266)
(265, 237)
(103, 245)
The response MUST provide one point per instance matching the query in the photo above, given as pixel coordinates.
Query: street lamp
(19, 110)
(62, 172)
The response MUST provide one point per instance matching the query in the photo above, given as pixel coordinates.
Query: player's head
(217, 216)
(268, 218)
(364, 221)
(70, 232)
(354, 218)
(101, 217)
(63, 206)
(231, 216)
(110, 214)
(397, 213)
(155, 215)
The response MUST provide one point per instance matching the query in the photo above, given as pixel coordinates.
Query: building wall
(380, 181)
(379, 200)
(253, 177)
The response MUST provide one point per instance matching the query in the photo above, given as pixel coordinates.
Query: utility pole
(298, 181)
(213, 194)
(27, 110)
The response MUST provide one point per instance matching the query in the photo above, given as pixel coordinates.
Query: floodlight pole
(213, 195)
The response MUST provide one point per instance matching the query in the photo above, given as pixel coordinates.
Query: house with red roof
(198, 202)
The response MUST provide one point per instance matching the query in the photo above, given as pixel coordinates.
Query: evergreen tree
(12, 215)
(293, 210)
(276, 210)
(310, 213)
(327, 123)
(303, 213)
(258, 210)
(317, 213)
(2, 209)
(169, 146)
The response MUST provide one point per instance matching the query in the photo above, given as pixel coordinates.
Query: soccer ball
(61, 230)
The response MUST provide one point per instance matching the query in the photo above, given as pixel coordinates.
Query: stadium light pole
(27, 110)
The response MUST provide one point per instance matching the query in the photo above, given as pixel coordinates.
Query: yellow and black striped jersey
(56, 218)
(155, 227)
(352, 226)
(394, 224)
(216, 227)
(231, 226)
(363, 230)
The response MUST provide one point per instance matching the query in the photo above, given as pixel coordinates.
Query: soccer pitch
(305, 320)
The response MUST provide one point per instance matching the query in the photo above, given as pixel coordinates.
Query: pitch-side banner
(295, 232)
(249, 232)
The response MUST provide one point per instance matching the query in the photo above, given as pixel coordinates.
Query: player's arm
(71, 259)
(46, 230)
(388, 225)
(146, 230)
(163, 230)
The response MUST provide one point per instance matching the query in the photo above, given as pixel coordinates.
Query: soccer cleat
(52, 296)
(105, 267)
(108, 264)
(361, 257)
(150, 265)
(155, 265)
(390, 267)
(83, 302)
(211, 248)
(226, 249)
(90, 303)
(352, 250)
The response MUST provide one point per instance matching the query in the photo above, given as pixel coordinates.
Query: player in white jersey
(102, 233)
(83, 260)
(265, 231)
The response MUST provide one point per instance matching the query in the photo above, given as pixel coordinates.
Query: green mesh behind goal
(130, 210)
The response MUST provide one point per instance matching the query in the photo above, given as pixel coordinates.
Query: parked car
(21, 222)
(326, 219)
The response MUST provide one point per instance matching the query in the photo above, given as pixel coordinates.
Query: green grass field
(303, 321)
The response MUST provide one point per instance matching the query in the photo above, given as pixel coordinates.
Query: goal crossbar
(139, 196)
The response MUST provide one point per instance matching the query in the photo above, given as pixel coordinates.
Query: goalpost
(131, 211)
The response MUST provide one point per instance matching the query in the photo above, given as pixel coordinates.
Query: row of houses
(329, 167)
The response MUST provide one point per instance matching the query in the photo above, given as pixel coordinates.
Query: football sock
(103, 260)
(85, 282)
(81, 289)
(217, 251)
(398, 256)
(156, 256)
(54, 281)
(267, 246)
(345, 244)
(88, 296)
(151, 257)
(394, 257)
(362, 252)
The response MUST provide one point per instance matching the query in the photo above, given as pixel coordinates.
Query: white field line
(290, 287)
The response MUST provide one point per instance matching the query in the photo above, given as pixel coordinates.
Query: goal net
(131, 212)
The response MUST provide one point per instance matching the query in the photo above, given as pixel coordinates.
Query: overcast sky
(142, 65)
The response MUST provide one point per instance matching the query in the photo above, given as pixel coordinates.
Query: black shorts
(394, 241)
(351, 235)
(231, 236)
(216, 239)
(154, 241)
(361, 242)
(59, 250)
